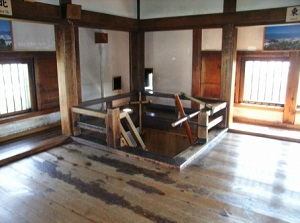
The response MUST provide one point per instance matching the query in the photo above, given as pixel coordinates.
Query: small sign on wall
(5, 7)
(293, 14)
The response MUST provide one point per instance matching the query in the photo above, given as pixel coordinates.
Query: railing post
(113, 127)
(203, 126)
(75, 120)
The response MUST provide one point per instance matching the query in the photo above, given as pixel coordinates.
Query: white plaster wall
(33, 36)
(246, 5)
(51, 2)
(125, 8)
(99, 63)
(211, 39)
(169, 53)
(170, 8)
(250, 38)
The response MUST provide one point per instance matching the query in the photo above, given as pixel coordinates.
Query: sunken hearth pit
(146, 132)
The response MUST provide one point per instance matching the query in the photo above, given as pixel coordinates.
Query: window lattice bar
(265, 82)
(14, 88)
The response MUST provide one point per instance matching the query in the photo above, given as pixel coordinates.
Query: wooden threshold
(19, 148)
(266, 131)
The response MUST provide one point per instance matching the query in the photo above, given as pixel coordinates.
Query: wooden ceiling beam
(105, 21)
(35, 12)
(51, 14)
(46, 13)
(245, 18)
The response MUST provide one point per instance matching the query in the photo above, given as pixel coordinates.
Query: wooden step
(20, 148)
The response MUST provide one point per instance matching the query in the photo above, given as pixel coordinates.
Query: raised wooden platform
(19, 148)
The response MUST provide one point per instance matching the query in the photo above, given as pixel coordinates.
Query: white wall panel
(170, 8)
(125, 8)
(250, 38)
(33, 37)
(169, 53)
(246, 5)
(212, 39)
(99, 63)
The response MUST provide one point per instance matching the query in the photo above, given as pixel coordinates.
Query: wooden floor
(242, 179)
(266, 131)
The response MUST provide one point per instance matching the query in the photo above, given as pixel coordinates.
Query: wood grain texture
(46, 82)
(67, 73)
(231, 183)
(228, 61)
(290, 106)
(196, 63)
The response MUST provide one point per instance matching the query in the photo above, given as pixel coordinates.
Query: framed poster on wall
(282, 37)
(6, 36)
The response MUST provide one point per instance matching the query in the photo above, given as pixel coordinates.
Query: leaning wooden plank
(135, 132)
(88, 112)
(182, 114)
(124, 134)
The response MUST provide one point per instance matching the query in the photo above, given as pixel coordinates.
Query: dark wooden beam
(78, 73)
(51, 14)
(255, 17)
(229, 6)
(228, 61)
(36, 12)
(105, 21)
(137, 64)
(64, 2)
(66, 72)
(196, 72)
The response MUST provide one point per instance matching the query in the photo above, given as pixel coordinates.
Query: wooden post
(75, 128)
(289, 111)
(229, 6)
(196, 84)
(228, 68)
(203, 126)
(137, 64)
(67, 73)
(113, 131)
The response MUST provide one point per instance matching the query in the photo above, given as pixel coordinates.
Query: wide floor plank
(241, 179)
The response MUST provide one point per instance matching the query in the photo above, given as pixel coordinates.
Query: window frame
(242, 79)
(240, 67)
(32, 88)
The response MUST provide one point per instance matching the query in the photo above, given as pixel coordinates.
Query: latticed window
(265, 82)
(15, 88)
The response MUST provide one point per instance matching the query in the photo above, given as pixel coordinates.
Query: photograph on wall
(282, 37)
(6, 40)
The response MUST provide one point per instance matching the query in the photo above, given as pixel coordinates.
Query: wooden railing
(112, 117)
(115, 133)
